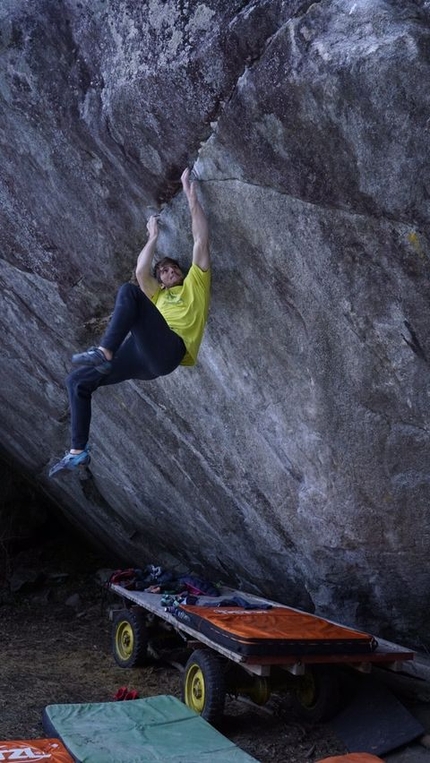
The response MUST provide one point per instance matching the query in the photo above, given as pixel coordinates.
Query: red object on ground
(132, 694)
(121, 693)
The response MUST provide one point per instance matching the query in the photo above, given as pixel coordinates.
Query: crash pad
(35, 750)
(375, 721)
(160, 729)
(273, 631)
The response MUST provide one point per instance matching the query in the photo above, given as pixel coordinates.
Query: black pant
(151, 350)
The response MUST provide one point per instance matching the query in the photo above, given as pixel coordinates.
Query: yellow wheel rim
(124, 640)
(260, 692)
(195, 689)
(306, 693)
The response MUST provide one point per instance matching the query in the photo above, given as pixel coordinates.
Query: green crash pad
(160, 729)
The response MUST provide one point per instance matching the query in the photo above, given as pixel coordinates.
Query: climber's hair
(165, 261)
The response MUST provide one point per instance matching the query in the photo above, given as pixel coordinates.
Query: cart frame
(388, 655)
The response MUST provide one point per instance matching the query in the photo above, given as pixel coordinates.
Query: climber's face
(170, 275)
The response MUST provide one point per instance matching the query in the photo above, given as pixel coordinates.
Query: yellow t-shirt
(185, 309)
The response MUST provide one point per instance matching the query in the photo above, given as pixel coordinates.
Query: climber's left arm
(199, 223)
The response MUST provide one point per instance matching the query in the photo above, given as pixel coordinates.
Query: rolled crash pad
(155, 729)
(35, 750)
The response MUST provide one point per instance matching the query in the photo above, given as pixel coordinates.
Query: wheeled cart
(252, 650)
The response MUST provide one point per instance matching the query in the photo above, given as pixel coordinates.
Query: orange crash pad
(273, 631)
(35, 751)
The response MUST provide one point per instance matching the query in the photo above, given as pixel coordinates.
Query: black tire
(129, 638)
(204, 685)
(317, 694)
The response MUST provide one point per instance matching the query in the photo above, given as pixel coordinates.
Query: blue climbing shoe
(93, 357)
(71, 462)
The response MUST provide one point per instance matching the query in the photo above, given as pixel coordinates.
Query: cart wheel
(317, 694)
(129, 638)
(204, 685)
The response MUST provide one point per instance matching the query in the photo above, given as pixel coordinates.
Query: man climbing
(155, 327)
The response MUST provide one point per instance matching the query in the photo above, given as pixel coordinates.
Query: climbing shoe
(93, 357)
(70, 462)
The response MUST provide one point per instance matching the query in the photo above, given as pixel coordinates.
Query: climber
(155, 327)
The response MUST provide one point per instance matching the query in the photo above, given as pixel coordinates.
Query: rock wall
(293, 459)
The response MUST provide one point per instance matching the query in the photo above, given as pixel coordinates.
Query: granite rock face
(294, 458)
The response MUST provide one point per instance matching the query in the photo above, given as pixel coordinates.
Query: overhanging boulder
(294, 457)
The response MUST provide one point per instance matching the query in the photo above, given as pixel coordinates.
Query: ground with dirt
(56, 642)
(56, 635)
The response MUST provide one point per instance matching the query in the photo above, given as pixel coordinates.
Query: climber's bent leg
(154, 347)
(158, 345)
